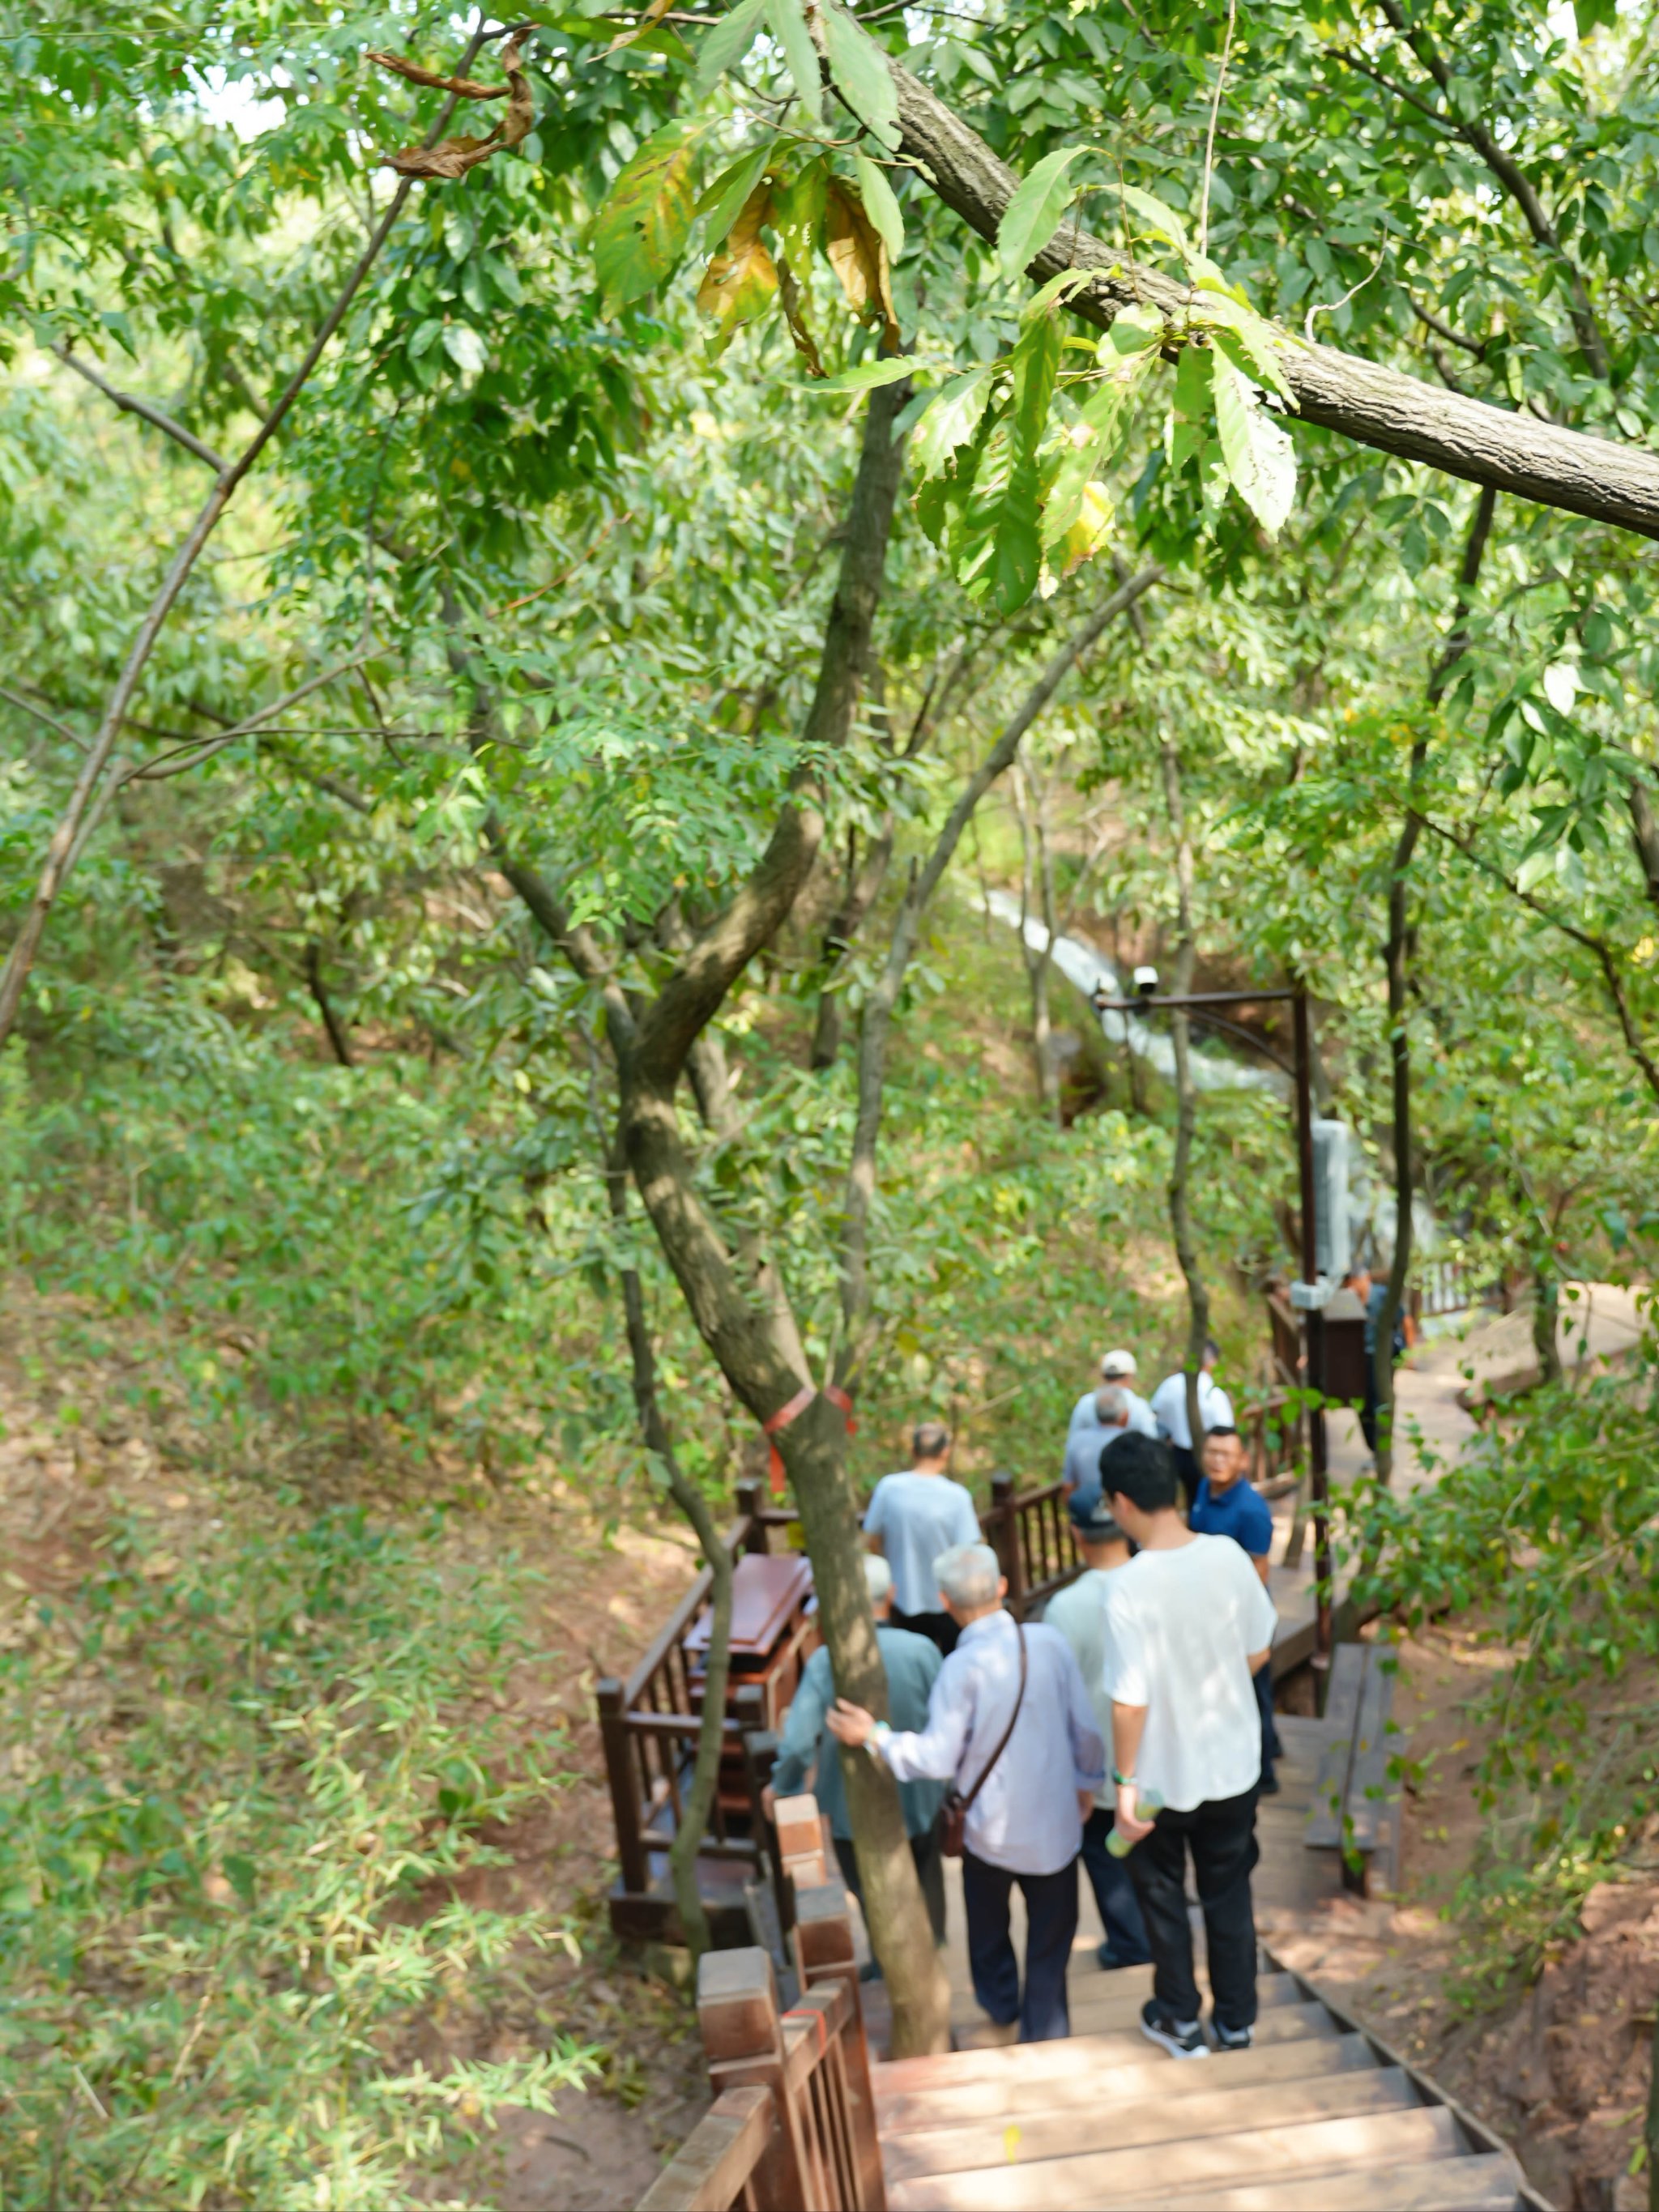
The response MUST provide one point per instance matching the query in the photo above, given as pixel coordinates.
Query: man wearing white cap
(1115, 1369)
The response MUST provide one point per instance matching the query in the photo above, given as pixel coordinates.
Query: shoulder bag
(954, 1812)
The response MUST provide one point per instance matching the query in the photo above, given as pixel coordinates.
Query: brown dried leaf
(463, 87)
(654, 14)
(858, 259)
(742, 277)
(789, 299)
(453, 157)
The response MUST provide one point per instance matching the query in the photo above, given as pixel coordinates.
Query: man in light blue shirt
(912, 1665)
(912, 1519)
(1025, 1824)
(1117, 1372)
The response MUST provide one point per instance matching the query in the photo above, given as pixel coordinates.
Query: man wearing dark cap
(1078, 1611)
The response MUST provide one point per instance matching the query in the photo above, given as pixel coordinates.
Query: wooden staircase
(1317, 2113)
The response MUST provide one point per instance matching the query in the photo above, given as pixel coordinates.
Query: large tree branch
(1377, 406)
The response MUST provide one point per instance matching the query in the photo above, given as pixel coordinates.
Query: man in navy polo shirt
(1227, 1504)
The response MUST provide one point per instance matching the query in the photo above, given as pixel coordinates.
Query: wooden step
(1099, 2001)
(1112, 2124)
(1295, 2152)
(1121, 2047)
(1480, 2183)
(1075, 2084)
(1097, 2005)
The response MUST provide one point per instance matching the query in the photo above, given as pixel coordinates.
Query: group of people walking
(1129, 1728)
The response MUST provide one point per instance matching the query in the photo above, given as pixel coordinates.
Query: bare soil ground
(1558, 2067)
(74, 1451)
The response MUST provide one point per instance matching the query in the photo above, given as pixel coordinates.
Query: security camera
(1145, 982)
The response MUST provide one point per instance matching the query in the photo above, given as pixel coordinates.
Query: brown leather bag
(954, 1812)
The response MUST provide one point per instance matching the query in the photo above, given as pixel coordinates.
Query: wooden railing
(648, 1726)
(1030, 1533)
(793, 2128)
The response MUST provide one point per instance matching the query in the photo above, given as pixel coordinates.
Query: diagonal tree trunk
(1036, 889)
(1180, 1217)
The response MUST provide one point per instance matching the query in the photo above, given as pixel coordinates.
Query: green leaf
(1035, 366)
(641, 231)
(859, 69)
(725, 46)
(789, 27)
(726, 196)
(1260, 456)
(952, 420)
(865, 375)
(1032, 217)
(880, 205)
(1251, 342)
(1134, 329)
(1094, 440)
(465, 348)
(1163, 221)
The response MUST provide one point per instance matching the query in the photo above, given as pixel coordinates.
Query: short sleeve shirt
(917, 1517)
(1182, 1626)
(1240, 1512)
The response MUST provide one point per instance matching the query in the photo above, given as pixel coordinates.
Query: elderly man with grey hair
(912, 1663)
(1010, 1724)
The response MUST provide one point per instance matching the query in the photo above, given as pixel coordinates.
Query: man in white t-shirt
(1188, 1623)
(912, 1518)
(1215, 1411)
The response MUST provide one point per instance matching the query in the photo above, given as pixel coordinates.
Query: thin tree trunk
(319, 990)
(1037, 889)
(699, 1799)
(1397, 961)
(1546, 1311)
(861, 883)
(1181, 1219)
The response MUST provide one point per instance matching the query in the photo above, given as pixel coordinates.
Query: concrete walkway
(1487, 1352)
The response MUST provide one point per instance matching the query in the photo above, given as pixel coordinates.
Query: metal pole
(1314, 1328)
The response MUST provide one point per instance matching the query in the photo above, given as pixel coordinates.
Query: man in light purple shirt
(1025, 1825)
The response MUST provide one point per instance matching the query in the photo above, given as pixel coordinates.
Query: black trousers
(1221, 1836)
(1050, 1924)
(930, 1871)
(938, 1627)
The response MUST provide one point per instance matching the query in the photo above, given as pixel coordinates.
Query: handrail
(793, 2128)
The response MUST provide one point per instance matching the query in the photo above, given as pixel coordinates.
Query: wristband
(1123, 1781)
(875, 1742)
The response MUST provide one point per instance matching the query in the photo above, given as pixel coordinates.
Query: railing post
(612, 1698)
(751, 1499)
(743, 2042)
(1005, 1540)
(823, 1956)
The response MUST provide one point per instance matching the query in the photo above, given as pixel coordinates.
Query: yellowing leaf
(641, 230)
(740, 281)
(1090, 528)
(858, 259)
